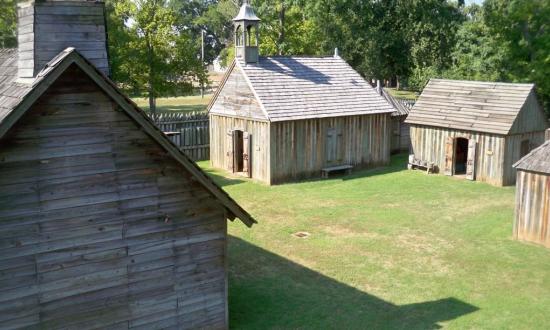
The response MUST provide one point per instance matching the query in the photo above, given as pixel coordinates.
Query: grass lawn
(179, 104)
(389, 248)
(402, 94)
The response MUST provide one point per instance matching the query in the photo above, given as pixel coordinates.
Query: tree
(521, 26)
(148, 52)
(8, 24)
(477, 54)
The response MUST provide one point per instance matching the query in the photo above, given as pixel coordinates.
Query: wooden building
(400, 135)
(533, 196)
(104, 223)
(284, 118)
(477, 130)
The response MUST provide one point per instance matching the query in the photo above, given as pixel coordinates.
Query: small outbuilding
(476, 130)
(284, 118)
(533, 196)
(400, 136)
(104, 223)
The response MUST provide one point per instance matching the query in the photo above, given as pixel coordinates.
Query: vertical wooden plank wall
(513, 152)
(405, 135)
(428, 144)
(190, 132)
(219, 146)
(99, 228)
(298, 148)
(401, 138)
(533, 208)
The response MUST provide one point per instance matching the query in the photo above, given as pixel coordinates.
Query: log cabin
(104, 223)
(532, 221)
(284, 118)
(475, 130)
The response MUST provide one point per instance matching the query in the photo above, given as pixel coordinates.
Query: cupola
(247, 35)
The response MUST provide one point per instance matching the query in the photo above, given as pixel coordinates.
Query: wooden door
(230, 145)
(471, 163)
(331, 149)
(449, 156)
(247, 154)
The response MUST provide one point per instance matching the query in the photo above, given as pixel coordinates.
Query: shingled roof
(16, 98)
(293, 88)
(537, 160)
(400, 108)
(470, 105)
(11, 92)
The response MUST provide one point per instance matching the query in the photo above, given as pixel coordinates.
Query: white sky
(474, 1)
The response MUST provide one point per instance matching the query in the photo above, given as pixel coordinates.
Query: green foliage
(8, 21)
(477, 55)
(148, 52)
(420, 76)
(521, 26)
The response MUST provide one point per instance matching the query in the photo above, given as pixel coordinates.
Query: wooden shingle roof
(294, 88)
(400, 108)
(536, 161)
(17, 107)
(487, 107)
(11, 92)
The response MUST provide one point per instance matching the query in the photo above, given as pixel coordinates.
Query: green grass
(177, 104)
(402, 94)
(389, 248)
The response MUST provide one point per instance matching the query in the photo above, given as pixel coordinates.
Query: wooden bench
(327, 170)
(414, 163)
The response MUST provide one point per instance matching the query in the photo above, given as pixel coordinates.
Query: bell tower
(246, 35)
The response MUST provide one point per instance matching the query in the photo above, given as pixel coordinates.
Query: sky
(474, 1)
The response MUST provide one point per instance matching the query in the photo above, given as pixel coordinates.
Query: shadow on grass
(222, 180)
(398, 163)
(267, 291)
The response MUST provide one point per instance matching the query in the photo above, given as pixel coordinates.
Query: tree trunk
(281, 38)
(151, 89)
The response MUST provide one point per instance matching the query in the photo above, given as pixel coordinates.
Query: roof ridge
(69, 57)
(482, 82)
(532, 154)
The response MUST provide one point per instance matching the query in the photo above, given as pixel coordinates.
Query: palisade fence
(406, 102)
(189, 131)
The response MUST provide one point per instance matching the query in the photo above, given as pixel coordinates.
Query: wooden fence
(406, 102)
(189, 131)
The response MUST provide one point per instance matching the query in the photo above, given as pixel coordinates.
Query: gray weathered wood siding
(512, 152)
(532, 221)
(99, 227)
(428, 144)
(405, 135)
(220, 146)
(531, 118)
(401, 139)
(236, 98)
(299, 148)
(47, 28)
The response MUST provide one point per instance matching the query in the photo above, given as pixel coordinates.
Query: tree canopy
(155, 45)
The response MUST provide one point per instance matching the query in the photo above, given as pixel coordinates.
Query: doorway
(238, 150)
(461, 156)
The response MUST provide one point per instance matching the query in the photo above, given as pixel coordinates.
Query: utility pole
(202, 62)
